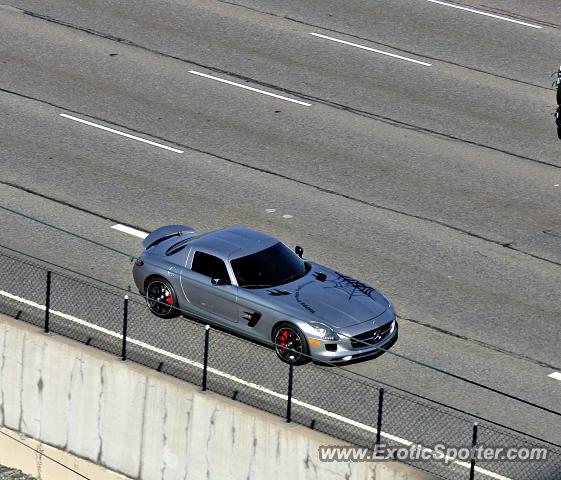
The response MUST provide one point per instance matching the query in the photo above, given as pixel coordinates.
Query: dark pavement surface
(439, 185)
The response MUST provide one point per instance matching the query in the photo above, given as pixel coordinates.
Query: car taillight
(138, 262)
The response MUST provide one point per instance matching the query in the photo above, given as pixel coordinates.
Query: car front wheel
(290, 342)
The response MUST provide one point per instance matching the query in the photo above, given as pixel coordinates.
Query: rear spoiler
(163, 233)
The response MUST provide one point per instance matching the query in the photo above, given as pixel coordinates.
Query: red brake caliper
(283, 337)
(169, 299)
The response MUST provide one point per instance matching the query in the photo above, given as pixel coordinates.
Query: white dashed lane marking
(130, 230)
(245, 87)
(375, 50)
(486, 14)
(118, 132)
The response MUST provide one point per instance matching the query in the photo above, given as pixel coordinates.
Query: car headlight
(324, 331)
(393, 326)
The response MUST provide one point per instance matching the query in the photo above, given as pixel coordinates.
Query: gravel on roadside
(13, 474)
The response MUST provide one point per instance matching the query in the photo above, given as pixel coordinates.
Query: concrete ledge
(15, 455)
(90, 408)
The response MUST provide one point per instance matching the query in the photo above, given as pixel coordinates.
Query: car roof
(233, 242)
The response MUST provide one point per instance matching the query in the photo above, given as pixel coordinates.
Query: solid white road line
(123, 134)
(250, 88)
(238, 380)
(130, 231)
(472, 10)
(555, 375)
(371, 49)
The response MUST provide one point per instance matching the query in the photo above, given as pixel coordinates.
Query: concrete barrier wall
(147, 425)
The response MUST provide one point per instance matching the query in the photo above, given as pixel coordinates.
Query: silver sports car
(253, 284)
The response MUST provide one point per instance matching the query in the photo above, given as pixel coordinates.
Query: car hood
(327, 296)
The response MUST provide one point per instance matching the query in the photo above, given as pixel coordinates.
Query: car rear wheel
(161, 298)
(290, 342)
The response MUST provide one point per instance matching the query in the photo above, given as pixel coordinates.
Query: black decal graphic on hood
(350, 285)
(300, 301)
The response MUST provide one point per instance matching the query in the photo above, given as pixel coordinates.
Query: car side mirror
(219, 281)
(299, 250)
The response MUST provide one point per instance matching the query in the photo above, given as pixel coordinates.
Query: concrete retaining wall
(147, 425)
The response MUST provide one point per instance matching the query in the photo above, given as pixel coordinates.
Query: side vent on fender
(252, 318)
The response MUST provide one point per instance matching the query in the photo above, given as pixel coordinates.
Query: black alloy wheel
(161, 298)
(290, 342)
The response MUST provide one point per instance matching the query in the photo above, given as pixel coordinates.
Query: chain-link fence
(357, 410)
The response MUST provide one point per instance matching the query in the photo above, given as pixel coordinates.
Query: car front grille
(366, 339)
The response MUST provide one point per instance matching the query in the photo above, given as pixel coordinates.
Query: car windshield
(271, 267)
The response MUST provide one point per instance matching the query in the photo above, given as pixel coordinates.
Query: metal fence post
(48, 301)
(290, 383)
(473, 445)
(380, 412)
(125, 326)
(205, 360)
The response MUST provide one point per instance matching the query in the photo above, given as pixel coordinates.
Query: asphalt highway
(432, 172)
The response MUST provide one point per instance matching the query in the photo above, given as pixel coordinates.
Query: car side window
(210, 266)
